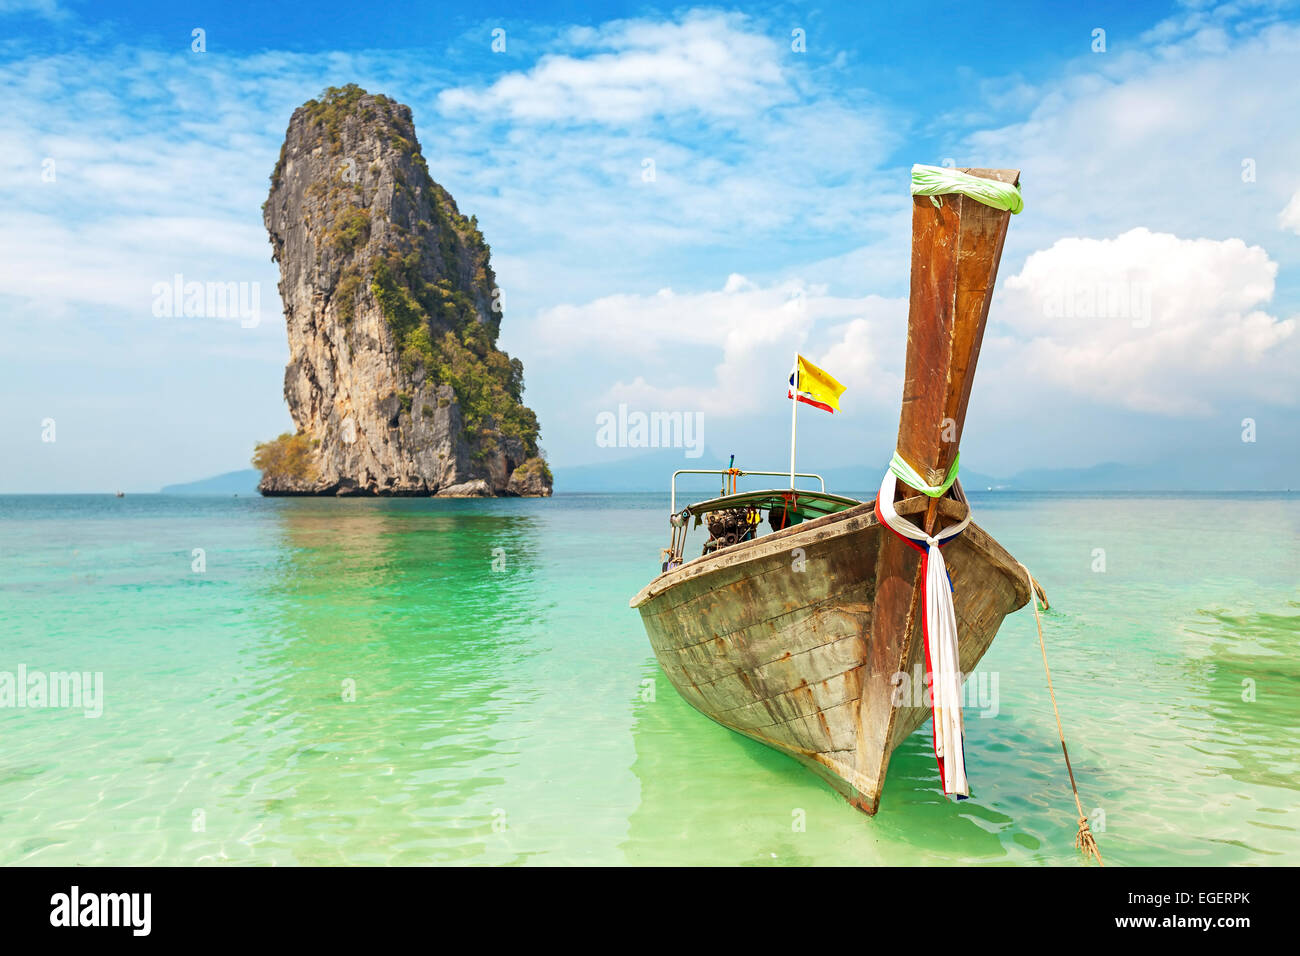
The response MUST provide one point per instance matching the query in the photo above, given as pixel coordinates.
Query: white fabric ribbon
(941, 638)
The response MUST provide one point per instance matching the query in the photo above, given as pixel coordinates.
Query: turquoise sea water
(516, 714)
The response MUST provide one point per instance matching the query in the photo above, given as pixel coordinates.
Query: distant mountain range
(231, 483)
(652, 472)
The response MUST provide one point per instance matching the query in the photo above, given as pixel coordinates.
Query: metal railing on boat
(736, 473)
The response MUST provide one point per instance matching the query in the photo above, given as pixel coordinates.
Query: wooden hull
(805, 661)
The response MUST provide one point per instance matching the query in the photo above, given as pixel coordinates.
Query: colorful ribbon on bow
(942, 658)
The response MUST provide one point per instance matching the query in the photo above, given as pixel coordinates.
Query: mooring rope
(1084, 841)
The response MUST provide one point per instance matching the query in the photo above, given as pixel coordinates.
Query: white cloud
(1290, 216)
(744, 145)
(1206, 23)
(869, 354)
(1152, 322)
(748, 331)
(627, 71)
(1183, 137)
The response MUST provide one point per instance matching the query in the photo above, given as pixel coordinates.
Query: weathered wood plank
(744, 684)
(789, 633)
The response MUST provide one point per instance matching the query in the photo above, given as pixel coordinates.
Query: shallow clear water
(517, 715)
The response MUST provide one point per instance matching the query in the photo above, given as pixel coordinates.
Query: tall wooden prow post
(956, 247)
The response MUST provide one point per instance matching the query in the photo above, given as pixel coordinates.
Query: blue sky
(1164, 168)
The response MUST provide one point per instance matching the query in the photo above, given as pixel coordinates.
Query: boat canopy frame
(735, 473)
(806, 504)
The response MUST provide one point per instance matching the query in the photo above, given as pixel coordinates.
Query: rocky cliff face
(394, 379)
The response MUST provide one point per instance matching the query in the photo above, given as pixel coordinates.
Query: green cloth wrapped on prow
(942, 181)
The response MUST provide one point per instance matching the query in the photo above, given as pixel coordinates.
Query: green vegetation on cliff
(351, 228)
(285, 459)
(335, 105)
(535, 465)
(437, 328)
(328, 112)
(345, 293)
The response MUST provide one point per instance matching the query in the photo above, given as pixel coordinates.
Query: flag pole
(794, 407)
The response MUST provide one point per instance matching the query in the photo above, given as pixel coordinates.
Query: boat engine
(731, 526)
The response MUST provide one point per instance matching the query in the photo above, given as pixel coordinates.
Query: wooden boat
(799, 637)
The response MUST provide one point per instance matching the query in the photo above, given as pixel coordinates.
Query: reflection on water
(380, 700)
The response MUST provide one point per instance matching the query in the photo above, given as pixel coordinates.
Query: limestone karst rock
(394, 380)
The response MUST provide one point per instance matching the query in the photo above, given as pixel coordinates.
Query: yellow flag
(815, 386)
